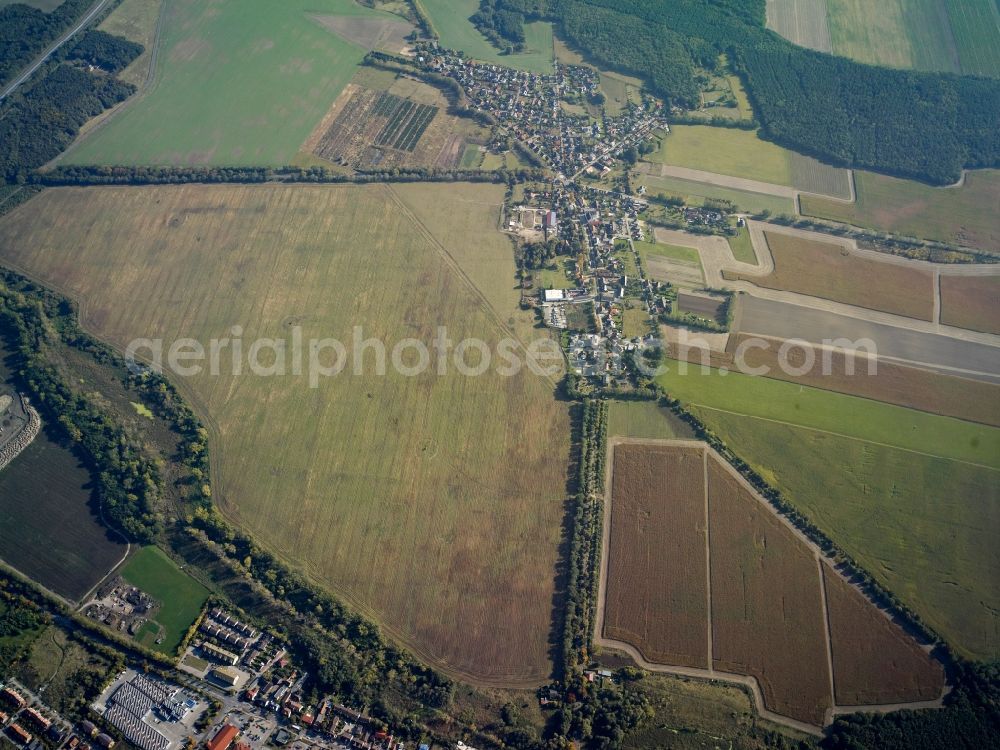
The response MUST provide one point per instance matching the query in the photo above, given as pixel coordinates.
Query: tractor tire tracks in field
(710, 673)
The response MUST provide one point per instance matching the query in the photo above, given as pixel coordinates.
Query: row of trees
(128, 481)
(146, 175)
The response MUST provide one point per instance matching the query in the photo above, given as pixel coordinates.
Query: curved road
(26, 74)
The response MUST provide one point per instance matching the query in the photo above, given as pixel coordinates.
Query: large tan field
(433, 504)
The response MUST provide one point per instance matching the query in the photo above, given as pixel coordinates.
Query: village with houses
(546, 113)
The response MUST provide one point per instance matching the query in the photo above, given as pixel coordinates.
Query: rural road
(709, 673)
(787, 315)
(744, 184)
(26, 74)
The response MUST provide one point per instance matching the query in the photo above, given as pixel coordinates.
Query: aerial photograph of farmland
(500, 374)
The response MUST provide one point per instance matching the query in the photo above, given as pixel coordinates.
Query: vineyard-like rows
(407, 121)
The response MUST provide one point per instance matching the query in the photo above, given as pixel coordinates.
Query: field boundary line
(827, 636)
(847, 437)
(708, 558)
(451, 261)
(749, 681)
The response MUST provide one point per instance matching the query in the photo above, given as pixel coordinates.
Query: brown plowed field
(971, 302)
(767, 618)
(830, 271)
(963, 398)
(874, 661)
(657, 597)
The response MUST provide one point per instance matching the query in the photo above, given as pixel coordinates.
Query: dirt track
(712, 674)
(782, 314)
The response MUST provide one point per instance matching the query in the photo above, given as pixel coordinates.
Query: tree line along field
(742, 153)
(829, 270)
(237, 83)
(181, 597)
(911, 496)
(396, 507)
(964, 215)
(696, 193)
(450, 19)
(971, 302)
(686, 530)
(50, 530)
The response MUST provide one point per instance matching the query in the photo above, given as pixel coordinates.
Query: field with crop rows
(767, 616)
(871, 663)
(963, 215)
(393, 122)
(971, 302)
(657, 595)
(831, 271)
(433, 508)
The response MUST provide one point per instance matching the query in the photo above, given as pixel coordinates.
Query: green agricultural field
(136, 21)
(472, 157)
(836, 413)
(673, 252)
(910, 495)
(697, 193)
(742, 246)
(238, 82)
(451, 22)
(963, 215)
(955, 37)
(924, 526)
(975, 25)
(181, 597)
(644, 419)
(729, 151)
(433, 508)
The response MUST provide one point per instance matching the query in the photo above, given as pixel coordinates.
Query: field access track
(692, 553)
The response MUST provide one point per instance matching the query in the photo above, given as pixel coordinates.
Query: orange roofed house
(224, 738)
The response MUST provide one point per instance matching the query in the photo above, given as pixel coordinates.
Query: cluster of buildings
(233, 652)
(28, 723)
(535, 109)
(121, 606)
(151, 714)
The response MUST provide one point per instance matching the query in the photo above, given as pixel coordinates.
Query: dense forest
(25, 32)
(110, 53)
(912, 124)
(37, 124)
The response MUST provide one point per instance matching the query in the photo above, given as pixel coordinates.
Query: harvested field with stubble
(657, 588)
(832, 271)
(872, 664)
(767, 613)
(971, 302)
(434, 508)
